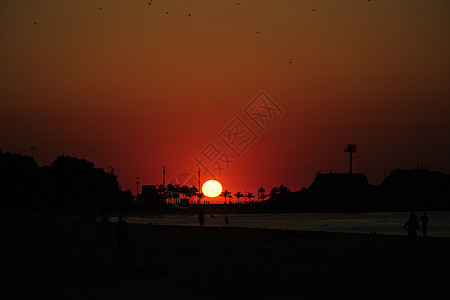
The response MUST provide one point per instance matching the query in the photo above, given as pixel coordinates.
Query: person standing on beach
(121, 233)
(424, 220)
(201, 218)
(227, 221)
(411, 226)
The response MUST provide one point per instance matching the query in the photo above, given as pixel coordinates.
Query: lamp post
(137, 186)
(350, 149)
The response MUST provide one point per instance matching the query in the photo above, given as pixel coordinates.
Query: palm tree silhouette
(184, 190)
(249, 196)
(176, 193)
(261, 190)
(225, 194)
(262, 196)
(193, 191)
(238, 195)
(170, 192)
(200, 197)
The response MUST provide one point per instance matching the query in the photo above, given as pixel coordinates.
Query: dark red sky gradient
(132, 87)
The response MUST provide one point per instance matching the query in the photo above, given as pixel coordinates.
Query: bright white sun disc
(212, 188)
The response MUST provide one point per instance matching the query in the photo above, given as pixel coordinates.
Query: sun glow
(212, 188)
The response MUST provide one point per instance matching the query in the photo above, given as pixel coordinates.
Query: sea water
(381, 222)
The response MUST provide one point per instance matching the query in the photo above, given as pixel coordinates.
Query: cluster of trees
(275, 192)
(177, 192)
(67, 181)
(174, 193)
(187, 195)
(417, 189)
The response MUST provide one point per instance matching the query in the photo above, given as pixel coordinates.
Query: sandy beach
(58, 259)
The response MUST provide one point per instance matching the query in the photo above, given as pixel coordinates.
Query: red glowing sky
(132, 87)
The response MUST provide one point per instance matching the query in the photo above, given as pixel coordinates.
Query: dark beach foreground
(58, 259)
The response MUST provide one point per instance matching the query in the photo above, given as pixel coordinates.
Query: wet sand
(59, 259)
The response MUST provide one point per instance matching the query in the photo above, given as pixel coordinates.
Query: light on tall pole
(199, 187)
(137, 186)
(350, 149)
(164, 176)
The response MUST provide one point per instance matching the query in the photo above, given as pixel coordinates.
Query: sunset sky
(133, 87)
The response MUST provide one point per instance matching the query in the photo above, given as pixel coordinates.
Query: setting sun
(212, 188)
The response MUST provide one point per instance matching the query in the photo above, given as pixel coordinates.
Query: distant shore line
(174, 210)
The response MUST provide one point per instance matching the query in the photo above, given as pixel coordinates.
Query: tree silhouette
(176, 193)
(188, 191)
(19, 178)
(68, 181)
(238, 195)
(261, 190)
(225, 194)
(262, 196)
(185, 191)
(200, 197)
(274, 193)
(193, 191)
(283, 190)
(78, 180)
(279, 192)
(249, 196)
(169, 192)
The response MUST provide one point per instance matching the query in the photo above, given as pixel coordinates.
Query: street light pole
(350, 149)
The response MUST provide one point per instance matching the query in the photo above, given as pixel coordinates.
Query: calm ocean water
(381, 222)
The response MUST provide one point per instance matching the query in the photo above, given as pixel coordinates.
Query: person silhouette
(227, 221)
(411, 226)
(201, 218)
(121, 233)
(424, 220)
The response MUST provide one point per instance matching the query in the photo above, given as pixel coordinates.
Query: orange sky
(132, 87)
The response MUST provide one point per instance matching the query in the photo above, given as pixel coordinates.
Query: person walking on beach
(411, 226)
(424, 220)
(201, 218)
(121, 233)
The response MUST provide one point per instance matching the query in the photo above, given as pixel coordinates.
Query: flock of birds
(189, 14)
